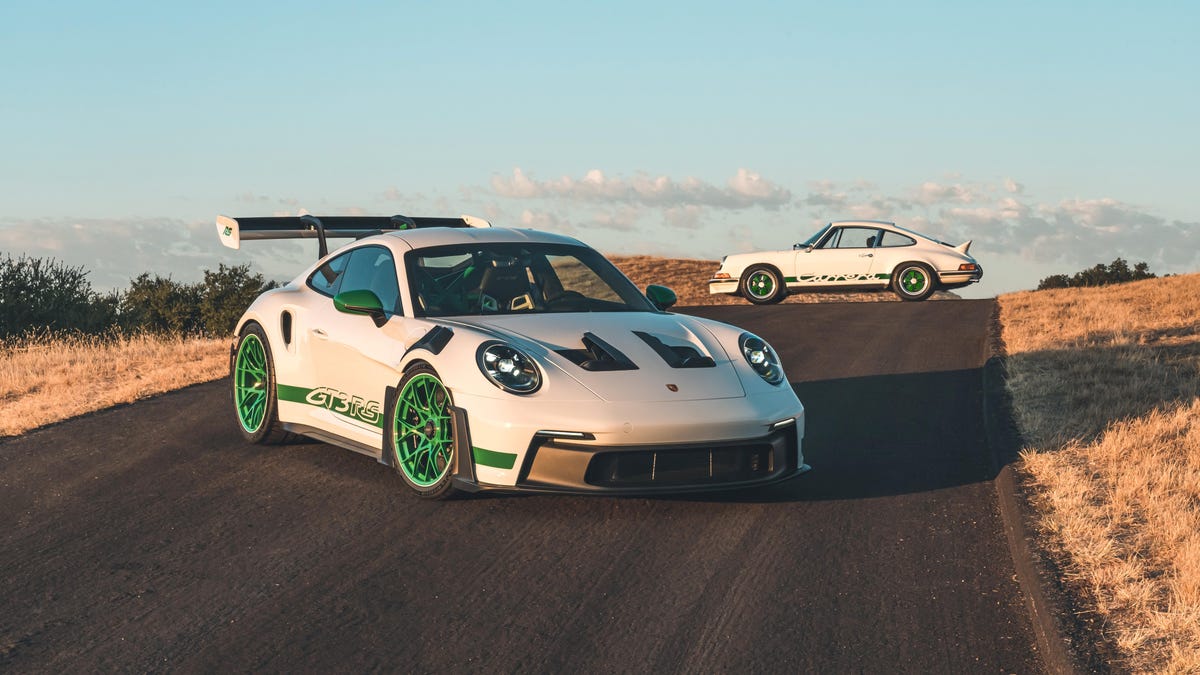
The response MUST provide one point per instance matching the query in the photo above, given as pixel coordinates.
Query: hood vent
(597, 355)
(685, 356)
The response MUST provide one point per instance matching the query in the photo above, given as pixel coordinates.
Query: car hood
(626, 356)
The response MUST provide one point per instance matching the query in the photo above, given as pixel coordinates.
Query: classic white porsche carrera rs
(850, 255)
(476, 358)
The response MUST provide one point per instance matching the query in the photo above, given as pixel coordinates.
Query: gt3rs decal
(346, 405)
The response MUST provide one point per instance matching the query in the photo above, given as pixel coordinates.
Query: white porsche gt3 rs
(476, 358)
(850, 255)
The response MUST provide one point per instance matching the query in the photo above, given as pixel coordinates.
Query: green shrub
(47, 294)
(161, 305)
(226, 294)
(1117, 272)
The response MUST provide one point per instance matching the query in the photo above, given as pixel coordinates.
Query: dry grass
(1106, 389)
(50, 379)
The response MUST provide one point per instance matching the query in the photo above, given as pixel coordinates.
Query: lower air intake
(681, 467)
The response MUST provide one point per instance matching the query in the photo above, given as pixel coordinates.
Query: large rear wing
(233, 231)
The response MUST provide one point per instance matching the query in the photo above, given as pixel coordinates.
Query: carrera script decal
(338, 402)
(823, 278)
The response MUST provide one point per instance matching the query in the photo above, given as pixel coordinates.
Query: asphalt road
(151, 537)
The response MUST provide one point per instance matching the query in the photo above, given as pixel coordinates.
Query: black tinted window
(325, 279)
(372, 268)
(856, 237)
(894, 239)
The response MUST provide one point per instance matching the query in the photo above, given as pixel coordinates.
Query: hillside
(1106, 390)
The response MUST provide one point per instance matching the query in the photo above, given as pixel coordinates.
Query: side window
(895, 239)
(576, 277)
(325, 279)
(373, 268)
(831, 241)
(858, 237)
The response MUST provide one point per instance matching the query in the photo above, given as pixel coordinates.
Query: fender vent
(285, 327)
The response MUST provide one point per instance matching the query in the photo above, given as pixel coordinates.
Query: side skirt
(326, 437)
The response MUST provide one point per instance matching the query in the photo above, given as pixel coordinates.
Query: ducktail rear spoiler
(233, 231)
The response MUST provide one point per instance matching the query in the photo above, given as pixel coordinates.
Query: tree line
(1116, 272)
(44, 294)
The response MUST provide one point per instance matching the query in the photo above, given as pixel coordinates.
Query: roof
(863, 222)
(443, 236)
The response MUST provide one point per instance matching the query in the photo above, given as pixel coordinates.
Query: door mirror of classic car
(661, 296)
(361, 302)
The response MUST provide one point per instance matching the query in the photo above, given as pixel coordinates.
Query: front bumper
(726, 286)
(554, 465)
(603, 446)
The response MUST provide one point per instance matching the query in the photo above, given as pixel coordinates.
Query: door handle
(866, 255)
(317, 332)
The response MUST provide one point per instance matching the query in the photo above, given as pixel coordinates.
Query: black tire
(419, 433)
(253, 392)
(763, 285)
(913, 281)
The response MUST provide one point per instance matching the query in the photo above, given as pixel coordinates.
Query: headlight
(761, 358)
(508, 368)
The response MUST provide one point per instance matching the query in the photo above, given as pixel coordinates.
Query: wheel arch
(930, 270)
(769, 265)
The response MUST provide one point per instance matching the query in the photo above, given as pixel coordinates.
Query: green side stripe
(883, 276)
(287, 392)
(789, 280)
(500, 460)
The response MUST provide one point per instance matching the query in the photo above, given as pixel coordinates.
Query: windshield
(812, 241)
(477, 279)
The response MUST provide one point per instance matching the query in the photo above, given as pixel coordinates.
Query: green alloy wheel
(761, 285)
(423, 433)
(913, 282)
(250, 380)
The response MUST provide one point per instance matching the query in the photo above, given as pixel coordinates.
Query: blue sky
(1056, 135)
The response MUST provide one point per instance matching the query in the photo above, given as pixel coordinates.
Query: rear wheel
(421, 430)
(913, 281)
(254, 401)
(763, 285)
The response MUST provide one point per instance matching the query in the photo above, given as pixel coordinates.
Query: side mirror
(661, 296)
(363, 302)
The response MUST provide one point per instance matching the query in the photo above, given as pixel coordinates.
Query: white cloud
(931, 192)
(688, 216)
(870, 211)
(1013, 187)
(744, 190)
(544, 220)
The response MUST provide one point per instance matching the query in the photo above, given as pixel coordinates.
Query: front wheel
(254, 401)
(913, 281)
(762, 285)
(421, 434)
